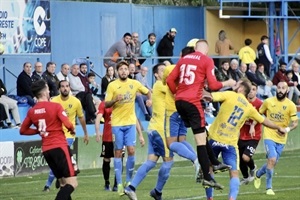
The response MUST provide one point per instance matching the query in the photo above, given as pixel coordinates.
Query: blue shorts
(157, 144)
(273, 149)
(230, 154)
(174, 126)
(70, 141)
(124, 136)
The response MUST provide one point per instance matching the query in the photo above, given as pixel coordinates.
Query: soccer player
(107, 142)
(224, 131)
(190, 74)
(73, 109)
(175, 130)
(282, 112)
(48, 118)
(250, 135)
(157, 144)
(120, 95)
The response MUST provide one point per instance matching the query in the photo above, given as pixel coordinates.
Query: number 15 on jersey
(187, 74)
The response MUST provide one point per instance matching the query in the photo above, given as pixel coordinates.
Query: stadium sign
(25, 26)
(29, 158)
(6, 159)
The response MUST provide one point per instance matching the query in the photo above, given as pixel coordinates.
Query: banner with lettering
(25, 26)
(29, 158)
(6, 159)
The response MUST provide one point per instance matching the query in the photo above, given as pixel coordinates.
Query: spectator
(83, 77)
(109, 76)
(296, 74)
(264, 55)
(64, 71)
(24, 84)
(277, 44)
(3, 117)
(242, 70)
(136, 47)
(148, 47)
(281, 76)
(85, 98)
(247, 54)
(50, 77)
(166, 45)
(37, 73)
(265, 89)
(132, 73)
(121, 48)
(222, 74)
(233, 70)
(9, 105)
(223, 45)
(94, 87)
(142, 99)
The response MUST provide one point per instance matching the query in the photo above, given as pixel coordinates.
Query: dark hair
(254, 84)
(264, 37)
(127, 34)
(247, 86)
(59, 83)
(91, 74)
(50, 63)
(282, 63)
(37, 87)
(187, 50)
(25, 63)
(225, 61)
(122, 62)
(288, 72)
(82, 64)
(151, 34)
(260, 65)
(248, 41)
(155, 68)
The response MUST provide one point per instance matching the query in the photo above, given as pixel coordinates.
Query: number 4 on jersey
(187, 74)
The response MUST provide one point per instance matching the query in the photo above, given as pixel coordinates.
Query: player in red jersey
(48, 118)
(190, 73)
(250, 135)
(107, 142)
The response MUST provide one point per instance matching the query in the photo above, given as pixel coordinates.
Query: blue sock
(209, 191)
(189, 146)
(129, 167)
(183, 151)
(142, 172)
(163, 175)
(234, 186)
(50, 178)
(269, 178)
(261, 171)
(118, 169)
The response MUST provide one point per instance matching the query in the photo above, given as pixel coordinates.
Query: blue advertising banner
(25, 26)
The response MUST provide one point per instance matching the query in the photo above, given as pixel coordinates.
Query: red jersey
(244, 132)
(49, 117)
(106, 113)
(190, 73)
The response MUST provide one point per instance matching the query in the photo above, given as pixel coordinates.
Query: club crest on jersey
(131, 86)
(70, 105)
(284, 107)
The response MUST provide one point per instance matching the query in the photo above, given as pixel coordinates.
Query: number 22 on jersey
(187, 74)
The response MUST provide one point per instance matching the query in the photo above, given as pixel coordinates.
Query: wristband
(287, 129)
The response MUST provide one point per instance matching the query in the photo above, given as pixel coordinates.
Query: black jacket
(3, 90)
(24, 84)
(52, 82)
(165, 46)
